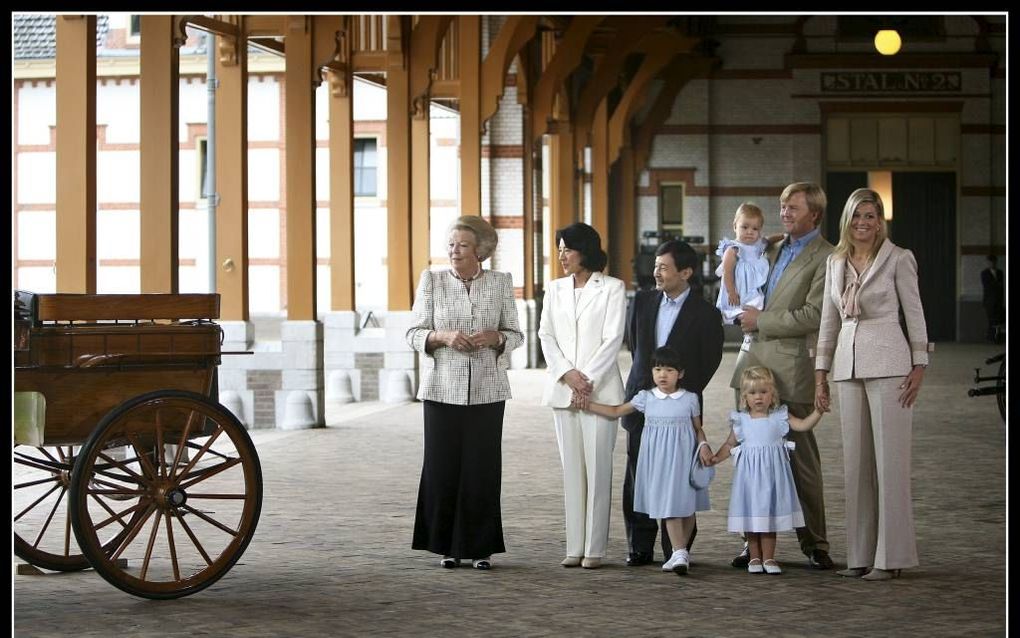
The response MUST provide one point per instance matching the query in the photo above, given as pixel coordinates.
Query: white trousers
(586, 444)
(876, 461)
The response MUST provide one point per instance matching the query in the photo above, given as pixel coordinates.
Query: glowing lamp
(887, 42)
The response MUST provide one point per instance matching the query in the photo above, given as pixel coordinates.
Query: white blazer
(586, 336)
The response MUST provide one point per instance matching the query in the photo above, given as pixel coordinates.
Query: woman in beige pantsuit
(878, 370)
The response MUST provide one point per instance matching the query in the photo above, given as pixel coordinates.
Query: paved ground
(331, 555)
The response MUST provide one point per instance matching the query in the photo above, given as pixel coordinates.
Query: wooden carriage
(119, 437)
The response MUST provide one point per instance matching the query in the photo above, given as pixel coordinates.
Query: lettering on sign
(891, 81)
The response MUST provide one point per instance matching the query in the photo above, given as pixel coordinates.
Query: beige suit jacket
(873, 344)
(586, 336)
(788, 326)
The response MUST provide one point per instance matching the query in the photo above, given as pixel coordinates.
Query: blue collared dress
(764, 496)
(662, 484)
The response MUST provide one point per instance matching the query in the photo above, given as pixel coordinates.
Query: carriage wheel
(1001, 384)
(195, 487)
(40, 513)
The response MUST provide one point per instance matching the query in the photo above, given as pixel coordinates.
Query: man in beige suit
(783, 337)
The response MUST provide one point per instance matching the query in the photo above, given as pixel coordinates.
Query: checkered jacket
(442, 303)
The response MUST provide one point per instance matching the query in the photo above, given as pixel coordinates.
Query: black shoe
(637, 559)
(819, 559)
(742, 559)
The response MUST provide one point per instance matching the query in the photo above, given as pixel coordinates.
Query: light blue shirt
(668, 311)
(787, 254)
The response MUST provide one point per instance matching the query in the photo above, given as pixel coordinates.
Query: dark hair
(682, 253)
(666, 357)
(585, 240)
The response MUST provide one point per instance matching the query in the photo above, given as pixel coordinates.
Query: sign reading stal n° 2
(890, 81)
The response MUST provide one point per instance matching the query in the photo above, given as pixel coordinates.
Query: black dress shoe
(637, 559)
(741, 560)
(819, 559)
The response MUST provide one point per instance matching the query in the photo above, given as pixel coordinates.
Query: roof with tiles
(35, 36)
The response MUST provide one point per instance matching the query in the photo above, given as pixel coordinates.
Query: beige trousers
(586, 444)
(876, 460)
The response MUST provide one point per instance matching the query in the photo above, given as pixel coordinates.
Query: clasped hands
(464, 342)
(581, 387)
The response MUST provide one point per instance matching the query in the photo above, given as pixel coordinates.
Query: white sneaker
(680, 562)
(669, 564)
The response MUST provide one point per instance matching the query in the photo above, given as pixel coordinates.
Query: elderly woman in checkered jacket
(465, 325)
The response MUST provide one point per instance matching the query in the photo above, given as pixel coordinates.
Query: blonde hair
(757, 377)
(858, 197)
(749, 209)
(485, 235)
(813, 195)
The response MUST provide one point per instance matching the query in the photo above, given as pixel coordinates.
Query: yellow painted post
(76, 154)
(232, 177)
(470, 52)
(398, 169)
(341, 190)
(159, 150)
(300, 163)
(600, 175)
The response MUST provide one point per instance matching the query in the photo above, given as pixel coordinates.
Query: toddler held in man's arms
(744, 268)
(671, 438)
(763, 499)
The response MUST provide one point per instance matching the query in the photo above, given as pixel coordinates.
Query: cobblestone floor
(332, 555)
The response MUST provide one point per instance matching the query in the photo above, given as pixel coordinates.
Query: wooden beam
(300, 164)
(514, 33)
(158, 155)
(633, 31)
(682, 70)
(265, 26)
(213, 25)
(469, 51)
(398, 167)
(76, 154)
(568, 55)
(232, 176)
(600, 173)
(624, 224)
(530, 271)
(656, 59)
(341, 181)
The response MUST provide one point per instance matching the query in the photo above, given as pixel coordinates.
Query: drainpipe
(211, 197)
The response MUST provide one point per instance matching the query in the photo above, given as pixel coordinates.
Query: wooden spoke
(49, 518)
(132, 532)
(208, 519)
(194, 540)
(209, 472)
(36, 502)
(147, 467)
(173, 549)
(152, 541)
(51, 479)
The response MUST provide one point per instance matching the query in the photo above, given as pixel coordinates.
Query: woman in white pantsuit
(581, 332)
(878, 369)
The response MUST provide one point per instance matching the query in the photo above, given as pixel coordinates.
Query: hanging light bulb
(887, 42)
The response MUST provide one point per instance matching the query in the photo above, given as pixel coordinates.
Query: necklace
(478, 273)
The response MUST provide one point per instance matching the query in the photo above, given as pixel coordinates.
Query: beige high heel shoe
(571, 561)
(881, 574)
(853, 572)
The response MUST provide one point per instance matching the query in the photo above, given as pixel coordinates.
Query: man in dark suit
(993, 295)
(672, 315)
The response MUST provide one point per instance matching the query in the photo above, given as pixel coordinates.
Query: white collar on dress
(659, 394)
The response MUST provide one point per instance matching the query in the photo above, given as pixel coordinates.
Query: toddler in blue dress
(671, 438)
(744, 268)
(763, 499)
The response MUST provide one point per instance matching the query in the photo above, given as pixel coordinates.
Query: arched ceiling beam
(568, 55)
(513, 35)
(632, 32)
(426, 39)
(657, 57)
(680, 71)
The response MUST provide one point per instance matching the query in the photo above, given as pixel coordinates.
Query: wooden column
(159, 145)
(341, 190)
(232, 176)
(421, 201)
(76, 154)
(625, 248)
(528, 179)
(562, 181)
(469, 62)
(300, 162)
(600, 175)
(398, 170)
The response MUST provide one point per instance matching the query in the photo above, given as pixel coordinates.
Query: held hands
(705, 454)
(823, 402)
(464, 342)
(579, 401)
(911, 386)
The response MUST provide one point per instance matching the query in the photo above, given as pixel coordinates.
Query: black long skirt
(458, 498)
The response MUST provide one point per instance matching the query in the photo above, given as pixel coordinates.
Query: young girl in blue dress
(763, 499)
(744, 268)
(671, 436)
